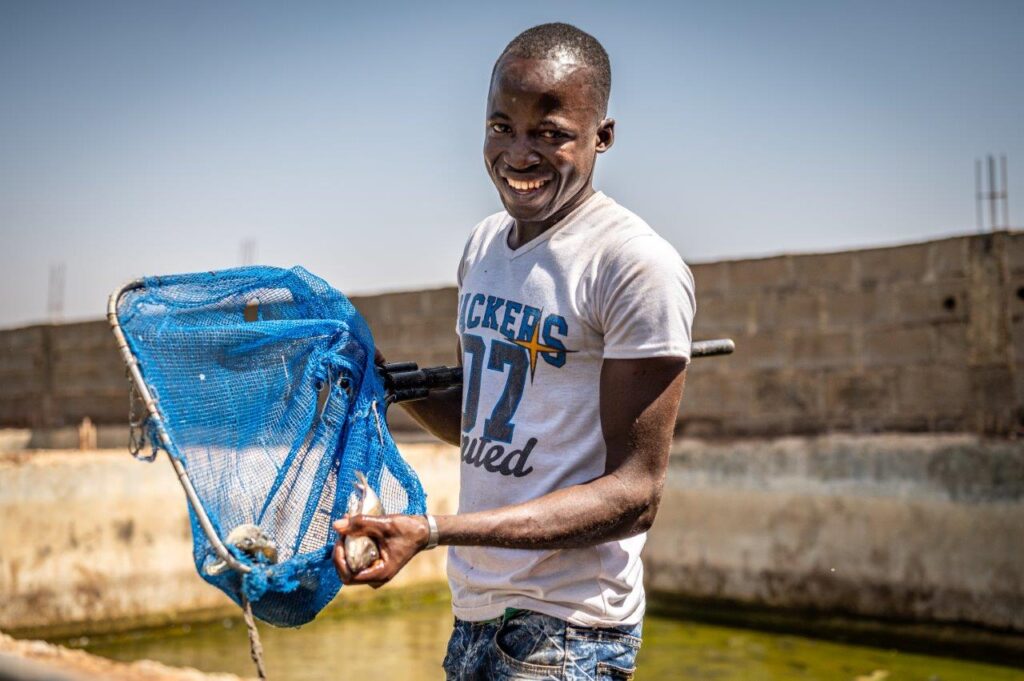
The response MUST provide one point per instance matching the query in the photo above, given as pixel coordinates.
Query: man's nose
(521, 154)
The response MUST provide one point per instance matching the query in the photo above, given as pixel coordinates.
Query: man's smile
(525, 187)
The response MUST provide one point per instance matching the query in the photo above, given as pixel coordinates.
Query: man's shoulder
(623, 235)
(480, 237)
(489, 226)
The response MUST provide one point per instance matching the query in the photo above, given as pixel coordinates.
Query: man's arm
(440, 413)
(639, 403)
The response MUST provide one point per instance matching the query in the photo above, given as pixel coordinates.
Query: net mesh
(265, 381)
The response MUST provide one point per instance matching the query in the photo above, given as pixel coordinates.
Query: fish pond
(409, 643)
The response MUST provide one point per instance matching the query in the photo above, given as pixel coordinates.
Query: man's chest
(534, 304)
(525, 346)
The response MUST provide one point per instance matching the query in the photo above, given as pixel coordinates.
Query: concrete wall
(925, 337)
(912, 527)
(94, 541)
(921, 338)
(57, 375)
(906, 527)
(413, 325)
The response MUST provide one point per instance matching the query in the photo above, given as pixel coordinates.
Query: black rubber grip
(405, 381)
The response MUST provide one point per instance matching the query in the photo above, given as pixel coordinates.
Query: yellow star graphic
(535, 347)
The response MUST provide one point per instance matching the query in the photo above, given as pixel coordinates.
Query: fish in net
(261, 386)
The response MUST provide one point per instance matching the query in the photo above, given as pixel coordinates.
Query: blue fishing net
(265, 380)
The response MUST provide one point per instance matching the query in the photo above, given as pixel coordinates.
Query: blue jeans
(528, 645)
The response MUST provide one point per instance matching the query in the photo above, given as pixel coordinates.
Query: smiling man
(574, 332)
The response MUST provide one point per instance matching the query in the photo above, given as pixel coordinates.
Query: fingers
(372, 576)
(375, 527)
(340, 564)
(378, 574)
(397, 537)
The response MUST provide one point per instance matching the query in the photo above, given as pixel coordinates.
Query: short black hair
(547, 40)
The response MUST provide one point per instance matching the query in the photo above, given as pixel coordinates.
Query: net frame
(156, 421)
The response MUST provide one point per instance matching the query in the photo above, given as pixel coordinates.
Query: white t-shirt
(535, 325)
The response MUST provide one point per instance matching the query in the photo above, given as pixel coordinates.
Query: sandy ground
(37, 659)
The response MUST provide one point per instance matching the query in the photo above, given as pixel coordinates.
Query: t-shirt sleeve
(646, 301)
(479, 232)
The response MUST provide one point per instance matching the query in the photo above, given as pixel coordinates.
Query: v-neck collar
(547, 234)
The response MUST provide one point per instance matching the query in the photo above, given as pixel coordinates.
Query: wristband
(433, 537)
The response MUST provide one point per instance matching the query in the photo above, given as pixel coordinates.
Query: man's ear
(605, 135)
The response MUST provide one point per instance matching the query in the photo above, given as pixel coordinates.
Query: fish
(250, 540)
(361, 552)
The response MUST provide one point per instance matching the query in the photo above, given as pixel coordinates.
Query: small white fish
(250, 540)
(361, 552)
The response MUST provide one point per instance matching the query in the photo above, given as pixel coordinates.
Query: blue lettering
(554, 323)
(463, 299)
(511, 309)
(531, 317)
(471, 321)
(491, 313)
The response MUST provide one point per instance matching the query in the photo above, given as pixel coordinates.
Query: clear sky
(154, 137)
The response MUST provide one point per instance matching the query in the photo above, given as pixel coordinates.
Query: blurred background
(845, 494)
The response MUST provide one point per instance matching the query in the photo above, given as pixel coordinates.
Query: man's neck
(525, 232)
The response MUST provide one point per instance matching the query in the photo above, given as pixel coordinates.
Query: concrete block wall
(413, 325)
(53, 376)
(24, 366)
(926, 337)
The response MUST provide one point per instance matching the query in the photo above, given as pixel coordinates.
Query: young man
(574, 333)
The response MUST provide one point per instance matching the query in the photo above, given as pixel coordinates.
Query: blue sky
(145, 138)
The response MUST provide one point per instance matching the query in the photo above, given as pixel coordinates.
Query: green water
(410, 645)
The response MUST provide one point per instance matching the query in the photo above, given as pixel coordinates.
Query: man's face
(544, 128)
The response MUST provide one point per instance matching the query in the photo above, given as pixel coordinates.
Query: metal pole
(979, 214)
(1006, 193)
(992, 194)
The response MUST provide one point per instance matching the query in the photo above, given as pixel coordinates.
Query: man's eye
(552, 134)
(500, 128)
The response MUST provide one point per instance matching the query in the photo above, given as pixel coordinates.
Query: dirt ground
(45, 660)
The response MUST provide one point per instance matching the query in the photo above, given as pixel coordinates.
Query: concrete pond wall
(95, 541)
(918, 528)
(921, 528)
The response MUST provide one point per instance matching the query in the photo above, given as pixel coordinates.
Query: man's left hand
(398, 538)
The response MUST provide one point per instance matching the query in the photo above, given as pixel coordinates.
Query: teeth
(525, 185)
